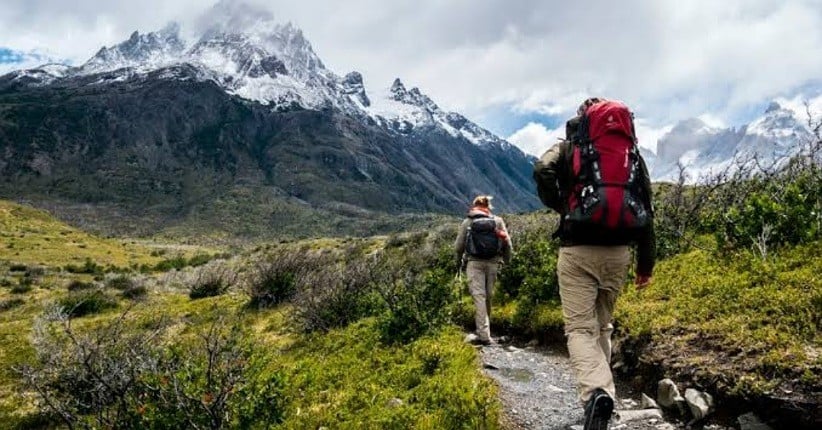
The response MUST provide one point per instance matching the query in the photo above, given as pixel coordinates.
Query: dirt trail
(538, 391)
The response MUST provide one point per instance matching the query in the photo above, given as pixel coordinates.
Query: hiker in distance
(483, 244)
(597, 181)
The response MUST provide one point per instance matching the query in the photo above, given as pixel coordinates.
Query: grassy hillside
(32, 236)
(320, 359)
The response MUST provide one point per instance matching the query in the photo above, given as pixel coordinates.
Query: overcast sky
(517, 67)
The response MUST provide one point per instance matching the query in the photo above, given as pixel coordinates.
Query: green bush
(5, 282)
(768, 210)
(121, 282)
(116, 377)
(35, 271)
(211, 281)
(77, 285)
(417, 300)
(274, 280)
(216, 382)
(87, 302)
(335, 296)
(199, 260)
(177, 263)
(89, 267)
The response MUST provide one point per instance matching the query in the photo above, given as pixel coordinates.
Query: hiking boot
(598, 410)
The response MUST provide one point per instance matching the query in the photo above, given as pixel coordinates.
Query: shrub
(89, 267)
(17, 268)
(212, 280)
(335, 296)
(121, 282)
(10, 303)
(214, 383)
(199, 260)
(177, 263)
(77, 285)
(35, 272)
(417, 300)
(5, 282)
(274, 280)
(24, 286)
(135, 292)
(118, 377)
(87, 302)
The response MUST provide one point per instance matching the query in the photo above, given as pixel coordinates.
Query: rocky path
(538, 392)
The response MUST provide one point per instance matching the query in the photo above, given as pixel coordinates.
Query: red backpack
(606, 168)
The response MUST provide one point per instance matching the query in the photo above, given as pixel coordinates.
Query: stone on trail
(629, 403)
(471, 338)
(647, 402)
(701, 403)
(750, 421)
(667, 394)
(636, 414)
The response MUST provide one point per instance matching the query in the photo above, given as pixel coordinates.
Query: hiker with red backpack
(598, 182)
(482, 245)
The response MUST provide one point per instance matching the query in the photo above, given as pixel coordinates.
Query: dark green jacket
(553, 175)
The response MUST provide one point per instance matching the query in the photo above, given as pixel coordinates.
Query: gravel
(538, 391)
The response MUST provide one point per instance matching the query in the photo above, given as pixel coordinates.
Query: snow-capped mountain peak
(145, 51)
(703, 150)
(245, 51)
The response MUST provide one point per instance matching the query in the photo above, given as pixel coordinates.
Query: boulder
(647, 402)
(700, 403)
(667, 394)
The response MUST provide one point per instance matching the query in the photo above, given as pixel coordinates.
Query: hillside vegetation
(352, 333)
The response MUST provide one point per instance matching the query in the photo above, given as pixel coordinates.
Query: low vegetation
(366, 333)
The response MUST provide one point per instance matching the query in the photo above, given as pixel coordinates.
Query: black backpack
(482, 241)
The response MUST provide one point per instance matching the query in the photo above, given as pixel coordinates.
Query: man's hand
(642, 281)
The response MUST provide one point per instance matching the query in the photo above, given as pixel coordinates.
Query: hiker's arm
(546, 175)
(459, 243)
(646, 242)
(507, 244)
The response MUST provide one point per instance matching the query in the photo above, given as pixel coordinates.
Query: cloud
(647, 135)
(12, 60)
(668, 59)
(535, 138)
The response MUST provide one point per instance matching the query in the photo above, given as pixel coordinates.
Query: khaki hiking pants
(481, 276)
(590, 280)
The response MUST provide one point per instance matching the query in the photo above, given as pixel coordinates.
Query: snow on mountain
(705, 150)
(141, 51)
(247, 53)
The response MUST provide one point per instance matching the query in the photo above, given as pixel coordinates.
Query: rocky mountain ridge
(241, 132)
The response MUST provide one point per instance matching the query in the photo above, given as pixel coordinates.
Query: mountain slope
(233, 126)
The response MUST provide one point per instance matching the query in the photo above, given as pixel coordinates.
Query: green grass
(755, 320)
(756, 323)
(31, 236)
(348, 379)
(343, 379)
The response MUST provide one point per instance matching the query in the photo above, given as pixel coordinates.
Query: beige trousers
(481, 277)
(590, 280)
